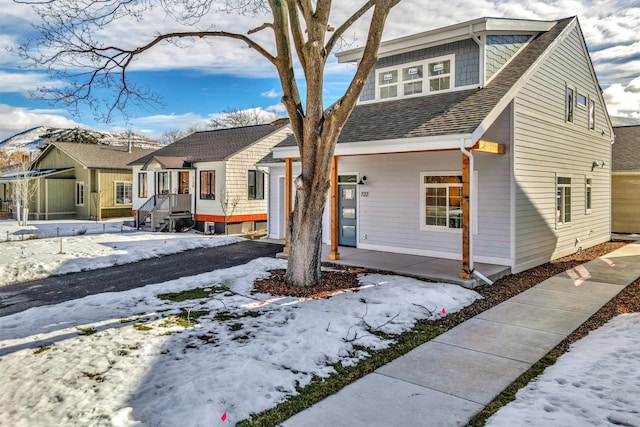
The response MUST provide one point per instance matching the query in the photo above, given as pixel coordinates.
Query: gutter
(469, 155)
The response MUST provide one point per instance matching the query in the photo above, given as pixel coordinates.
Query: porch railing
(159, 207)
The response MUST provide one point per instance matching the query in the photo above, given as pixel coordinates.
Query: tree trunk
(305, 231)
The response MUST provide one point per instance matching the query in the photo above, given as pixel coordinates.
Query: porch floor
(424, 267)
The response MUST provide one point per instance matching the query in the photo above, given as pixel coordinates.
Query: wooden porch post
(465, 273)
(288, 183)
(334, 254)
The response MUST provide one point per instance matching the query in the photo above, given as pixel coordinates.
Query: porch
(422, 267)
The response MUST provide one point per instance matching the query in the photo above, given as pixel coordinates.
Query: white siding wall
(237, 174)
(545, 146)
(206, 206)
(390, 215)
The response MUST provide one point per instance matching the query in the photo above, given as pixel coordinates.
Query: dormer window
(417, 78)
(388, 84)
(439, 75)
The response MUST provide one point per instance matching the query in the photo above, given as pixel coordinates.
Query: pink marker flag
(223, 418)
(444, 311)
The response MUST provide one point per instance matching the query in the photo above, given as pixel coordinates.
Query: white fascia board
(448, 34)
(399, 145)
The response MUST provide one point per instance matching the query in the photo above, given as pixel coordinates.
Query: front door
(347, 218)
(183, 180)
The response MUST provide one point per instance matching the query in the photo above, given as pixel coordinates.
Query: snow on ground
(80, 247)
(597, 383)
(246, 354)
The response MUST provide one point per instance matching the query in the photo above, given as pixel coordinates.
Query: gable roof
(211, 145)
(451, 113)
(626, 149)
(97, 156)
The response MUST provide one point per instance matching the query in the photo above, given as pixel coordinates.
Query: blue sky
(201, 80)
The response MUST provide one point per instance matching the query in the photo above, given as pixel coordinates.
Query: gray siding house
(485, 141)
(625, 180)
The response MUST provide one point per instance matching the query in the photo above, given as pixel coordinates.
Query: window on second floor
(424, 77)
(570, 104)
(255, 185)
(592, 114)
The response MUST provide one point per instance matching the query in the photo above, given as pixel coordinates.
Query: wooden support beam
(288, 205)
(483, 146)
(334, 254)
(465, 273)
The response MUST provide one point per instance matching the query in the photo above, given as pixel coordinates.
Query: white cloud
(279, 109)
(271, 93)
(623, 100)
(14, 120)
(24, 82)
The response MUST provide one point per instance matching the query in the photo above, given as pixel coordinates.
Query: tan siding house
(508, 111)
(625, 180)
(83, 181)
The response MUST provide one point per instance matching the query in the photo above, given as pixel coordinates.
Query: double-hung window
(423, 77)
(124, 191)
(439, 75)
(208, 185)
(255, 185)
(79, 193)
(563, 200)
(388, 84)
(441, 197)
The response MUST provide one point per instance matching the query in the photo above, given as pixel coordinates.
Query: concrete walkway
(446, 381)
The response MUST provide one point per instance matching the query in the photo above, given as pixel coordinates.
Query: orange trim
(133, 212)
(232, 218)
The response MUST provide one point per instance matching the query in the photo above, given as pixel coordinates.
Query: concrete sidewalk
(446, 381)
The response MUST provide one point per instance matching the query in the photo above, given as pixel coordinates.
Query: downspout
(469, 155)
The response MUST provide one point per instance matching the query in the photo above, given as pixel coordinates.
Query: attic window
(411, 79)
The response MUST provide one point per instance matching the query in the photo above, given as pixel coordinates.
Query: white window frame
(588, 194)
(143, 191)
(591, 114)
(560, 197)
(125, 185)
(423, 213)
(585, 97)
(570, 106)
(400, 82)
(79, 193)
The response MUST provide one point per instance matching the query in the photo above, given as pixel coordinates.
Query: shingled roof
(626, 149)
(212, 145)
(457, 112)
(100, 156)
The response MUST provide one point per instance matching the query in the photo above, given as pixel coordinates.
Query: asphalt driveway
(56, 289)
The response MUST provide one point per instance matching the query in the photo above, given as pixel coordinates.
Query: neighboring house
(76, 180)
(474, 142)
(207, 179)
(625, 180)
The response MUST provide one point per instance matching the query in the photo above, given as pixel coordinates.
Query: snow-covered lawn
(597, 383)
(30, 259)
(245, 353)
